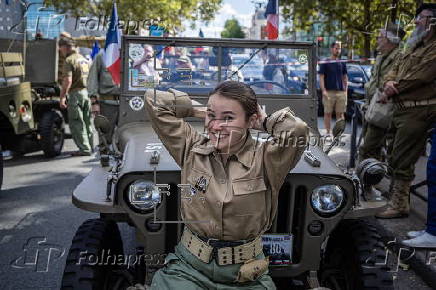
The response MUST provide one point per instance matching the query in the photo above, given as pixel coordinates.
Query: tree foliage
(166, 13)
(232, 29)
(356, 22)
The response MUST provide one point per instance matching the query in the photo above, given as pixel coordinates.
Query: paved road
(38, 221)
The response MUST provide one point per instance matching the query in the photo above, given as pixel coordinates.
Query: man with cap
(61, 58)
(75, 74)
(388, 41)
(411, 84)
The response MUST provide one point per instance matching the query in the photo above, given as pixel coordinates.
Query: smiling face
(226, 123)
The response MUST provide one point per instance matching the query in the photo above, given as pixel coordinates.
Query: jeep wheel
(52, 133)
(92, 262)
(354, 257)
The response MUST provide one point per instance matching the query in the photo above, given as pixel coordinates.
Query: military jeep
(30, 119)
(319, 236)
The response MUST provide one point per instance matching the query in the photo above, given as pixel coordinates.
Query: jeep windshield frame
(300, 95)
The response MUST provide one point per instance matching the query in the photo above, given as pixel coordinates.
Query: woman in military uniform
(234, 184)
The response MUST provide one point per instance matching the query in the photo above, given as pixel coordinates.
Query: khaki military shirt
(76, 66)
(382, 66)
(100, 80)
(61, 61)
(238, 200)
(415, 72)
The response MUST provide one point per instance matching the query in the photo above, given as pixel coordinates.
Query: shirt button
(218, 203)
(250, 187)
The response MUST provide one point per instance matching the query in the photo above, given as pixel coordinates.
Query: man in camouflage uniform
(411, 84)
(387, 46)
(75, 73)
(104, 96)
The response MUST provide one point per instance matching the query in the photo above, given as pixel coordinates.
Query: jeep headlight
(327, 199)
(143, 195)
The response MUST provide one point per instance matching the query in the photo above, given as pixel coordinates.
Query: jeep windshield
(197, 65)
(197, 69)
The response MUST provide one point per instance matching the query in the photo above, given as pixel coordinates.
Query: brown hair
(240, 92)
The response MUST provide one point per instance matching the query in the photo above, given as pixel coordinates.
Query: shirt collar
(244, 155)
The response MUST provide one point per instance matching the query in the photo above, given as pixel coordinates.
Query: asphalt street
(38, 220)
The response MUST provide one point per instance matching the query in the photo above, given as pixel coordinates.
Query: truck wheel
(92, 261)
(52, 133)
(354, 259)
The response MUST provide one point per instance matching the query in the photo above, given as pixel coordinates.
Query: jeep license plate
(278, 247)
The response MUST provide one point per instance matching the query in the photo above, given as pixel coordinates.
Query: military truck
(30, 119)
(319, 237)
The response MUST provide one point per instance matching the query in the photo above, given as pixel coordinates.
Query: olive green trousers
(79, 118)
(374, 140)
(109, 109)
(183, 270)
(411, 131)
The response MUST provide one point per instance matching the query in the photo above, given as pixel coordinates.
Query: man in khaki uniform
(234, 184)
(104, 95)
(75, 74)
(387, 46)
(412, 86)
(61, 58)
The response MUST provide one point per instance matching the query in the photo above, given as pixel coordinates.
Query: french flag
(272, 19)
(112, 47)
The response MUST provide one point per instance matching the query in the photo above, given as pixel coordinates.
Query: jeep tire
(52, 133)
(95, 238)
(354, 259)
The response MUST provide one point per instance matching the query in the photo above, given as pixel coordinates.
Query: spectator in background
(411, 85)
(427, 238)
(61, 58)
(275, 71)
(104, 96)
(388, 41)
(75, 75)
(333, 82)
(146, 64)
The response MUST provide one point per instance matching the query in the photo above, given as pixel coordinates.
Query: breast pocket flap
(248, 186)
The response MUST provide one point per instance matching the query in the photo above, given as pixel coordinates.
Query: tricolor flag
(112, 47)
(272, 19)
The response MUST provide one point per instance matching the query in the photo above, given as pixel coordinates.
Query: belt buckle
(211, 239)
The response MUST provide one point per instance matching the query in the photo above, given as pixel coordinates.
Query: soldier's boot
(399, 204)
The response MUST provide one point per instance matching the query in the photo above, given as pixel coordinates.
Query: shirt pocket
(249, 197)
(248, 186)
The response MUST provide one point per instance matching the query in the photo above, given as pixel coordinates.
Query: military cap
(65, 34)
(425, 6)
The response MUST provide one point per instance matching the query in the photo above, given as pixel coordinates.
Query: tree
(232, 29)
(166, 13)
(357, 21)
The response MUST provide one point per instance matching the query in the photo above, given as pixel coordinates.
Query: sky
(242, 10)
